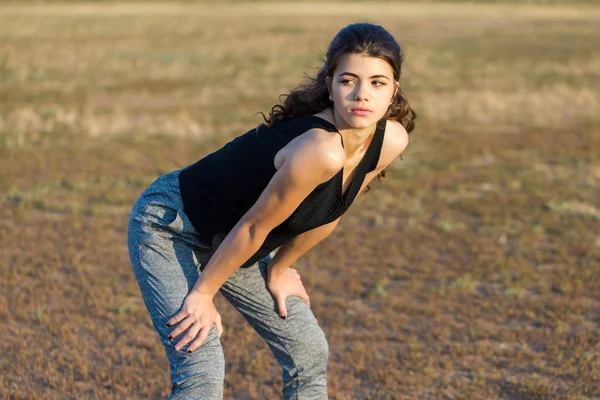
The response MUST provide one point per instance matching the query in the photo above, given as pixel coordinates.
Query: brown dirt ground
(471, 271)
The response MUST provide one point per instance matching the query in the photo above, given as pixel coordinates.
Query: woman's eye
(346, 82)
(378, 83)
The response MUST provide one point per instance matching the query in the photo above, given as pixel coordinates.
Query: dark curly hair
(312, 96)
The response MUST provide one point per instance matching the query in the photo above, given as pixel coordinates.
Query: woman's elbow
(252, 230)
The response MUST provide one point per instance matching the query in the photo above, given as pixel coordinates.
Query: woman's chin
(360, 122)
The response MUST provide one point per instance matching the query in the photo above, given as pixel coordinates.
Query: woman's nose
(361, 92)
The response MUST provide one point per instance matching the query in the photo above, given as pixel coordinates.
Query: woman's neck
(355, 140)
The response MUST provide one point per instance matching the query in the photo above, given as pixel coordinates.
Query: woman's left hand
(285, 283)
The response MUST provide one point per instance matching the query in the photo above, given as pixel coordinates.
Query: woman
(214, 225)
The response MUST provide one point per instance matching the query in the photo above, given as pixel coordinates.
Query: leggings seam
(297, 379)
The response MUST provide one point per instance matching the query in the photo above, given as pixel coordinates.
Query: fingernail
(189, 351)
(167, 325)
(170, 338)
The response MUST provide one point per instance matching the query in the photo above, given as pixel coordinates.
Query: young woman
(214, 226)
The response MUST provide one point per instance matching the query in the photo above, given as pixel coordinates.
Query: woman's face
(361, 89)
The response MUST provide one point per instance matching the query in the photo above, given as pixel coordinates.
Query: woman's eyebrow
(371, 77)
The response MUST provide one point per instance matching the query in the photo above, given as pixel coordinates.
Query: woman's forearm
(237, 247)
(292, 250)
(242, 243)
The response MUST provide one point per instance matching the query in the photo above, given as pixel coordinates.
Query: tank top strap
(367, 164)
(318, 122)
(373, 152)
(377, 145)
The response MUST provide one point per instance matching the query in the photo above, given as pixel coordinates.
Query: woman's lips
(361, 112)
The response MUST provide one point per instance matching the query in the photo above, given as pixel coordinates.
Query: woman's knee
(199, 374)
(309, 349)
(308, 373)
(316, 355)
(197, 383)
(310, 355)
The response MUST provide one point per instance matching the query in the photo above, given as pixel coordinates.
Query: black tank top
(221, 187)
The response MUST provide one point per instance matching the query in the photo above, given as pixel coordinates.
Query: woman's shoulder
(394, 142)
(396, 136)
(323, 144)
(316, 145)
(314, 132)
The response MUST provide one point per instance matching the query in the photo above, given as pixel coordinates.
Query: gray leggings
(166, 255)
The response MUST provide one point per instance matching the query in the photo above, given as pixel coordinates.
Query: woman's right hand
(197, 316)
(285, 283)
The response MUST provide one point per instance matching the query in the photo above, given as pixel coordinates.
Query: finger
(281, 308)
(190, 335)
(219, 325)
(201, 338)
(177, 318)
(181, 328)
(305, 297)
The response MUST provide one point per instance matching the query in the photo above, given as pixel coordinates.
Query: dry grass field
(471, 271)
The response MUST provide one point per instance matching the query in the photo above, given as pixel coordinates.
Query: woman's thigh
(298, 342)
(166, 266)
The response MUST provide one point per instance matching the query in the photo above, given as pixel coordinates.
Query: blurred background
(471, 271)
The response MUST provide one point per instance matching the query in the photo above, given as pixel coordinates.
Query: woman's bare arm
(311, 163)
(299, 245)
(396, 140)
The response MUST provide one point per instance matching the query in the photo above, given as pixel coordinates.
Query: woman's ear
(328, 84)
(396, 89)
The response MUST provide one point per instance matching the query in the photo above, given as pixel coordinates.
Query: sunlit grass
(110, 69)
